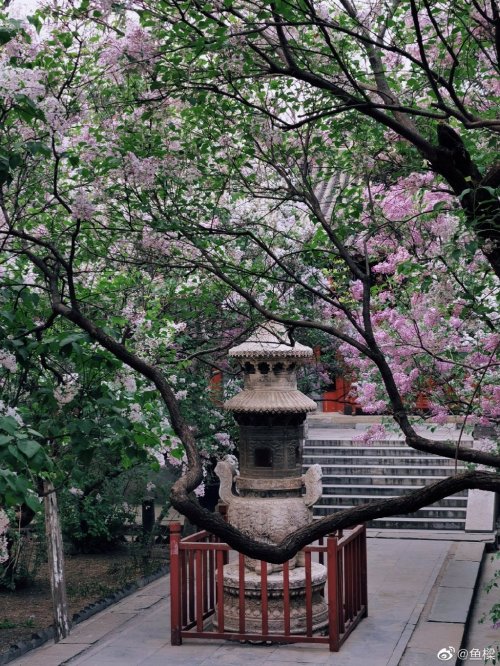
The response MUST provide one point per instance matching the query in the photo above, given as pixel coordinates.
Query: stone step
(362, 461)
(376, 490)
(380, 481)
(387, 470)
(344, 501)
(405, 523)
(358, 449)
(355, 473)
(431, 511)
(411, 523)
(347, 452)
(379, 465)
(348, 440)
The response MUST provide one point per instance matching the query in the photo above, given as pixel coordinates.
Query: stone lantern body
(273, 498)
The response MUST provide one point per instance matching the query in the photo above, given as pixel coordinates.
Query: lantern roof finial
(271, 340)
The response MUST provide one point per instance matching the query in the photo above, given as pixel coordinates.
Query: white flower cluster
(67, 391)
(4, 526)
(8, 361)
(5, 410)
(135, 412)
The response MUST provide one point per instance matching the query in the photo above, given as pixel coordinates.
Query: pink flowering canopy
(165, 187)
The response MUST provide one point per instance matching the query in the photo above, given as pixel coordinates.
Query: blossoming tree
(265, 164)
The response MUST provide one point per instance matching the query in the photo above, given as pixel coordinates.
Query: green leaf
(74, 337)
(35, 21)
(33, 503)
(38, 148)
(6, 34)
(29, 447)
(66, 39)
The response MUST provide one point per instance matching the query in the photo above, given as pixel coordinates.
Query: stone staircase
(356, 473)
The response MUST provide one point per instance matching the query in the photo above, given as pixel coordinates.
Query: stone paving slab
(432, 635)
(52, 654)
(484, 634)
(400, 574)
(447, 611)
(451, 605)
(473, 552)
(135, 603)
(98, 627)
(415, 657)
(433, 535)
(461, 573)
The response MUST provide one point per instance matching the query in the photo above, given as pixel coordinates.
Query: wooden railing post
(222, 508)
(334, 603)
(364, 571)
(175, 592)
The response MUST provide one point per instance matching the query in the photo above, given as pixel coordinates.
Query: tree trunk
(56, 562)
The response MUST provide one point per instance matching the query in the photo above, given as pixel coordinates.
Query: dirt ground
(89, 578)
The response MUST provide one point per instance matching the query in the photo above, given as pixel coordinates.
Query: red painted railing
(197, 583)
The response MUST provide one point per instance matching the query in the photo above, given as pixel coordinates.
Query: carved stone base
(253, 601)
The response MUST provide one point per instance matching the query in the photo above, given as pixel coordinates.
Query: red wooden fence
(197, 583)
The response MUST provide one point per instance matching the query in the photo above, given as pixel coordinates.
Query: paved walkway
(401, 574)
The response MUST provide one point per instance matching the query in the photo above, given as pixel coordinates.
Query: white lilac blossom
(67, 390)
(6, 410)
(135, 412)
(4, 526)
(81, 207)
(8, 361)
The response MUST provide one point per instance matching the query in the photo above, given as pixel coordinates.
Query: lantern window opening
(263, 457)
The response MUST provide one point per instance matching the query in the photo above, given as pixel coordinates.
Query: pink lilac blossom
(357, 290)
(485, 444)
(40, 231)
(374, 433)
(135, 413)
(223, 438)
(200, 490)
(30, 82)
(138, 45)
(128, 382)
(56, 116)
(141, 171)
(439, 413)
(389, 266)
(134, 315)
(81, 207)
(491, 342)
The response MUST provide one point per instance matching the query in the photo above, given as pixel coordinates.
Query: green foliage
(26, 550)
(493, 585)
(97, 521)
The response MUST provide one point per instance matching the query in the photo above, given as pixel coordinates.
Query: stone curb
(45, 635)
(446, 617)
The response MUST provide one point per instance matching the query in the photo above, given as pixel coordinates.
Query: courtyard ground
(404, 574)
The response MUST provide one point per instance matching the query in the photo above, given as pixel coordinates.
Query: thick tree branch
(342, 520)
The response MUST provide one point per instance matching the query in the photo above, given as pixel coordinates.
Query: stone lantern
(273, 498)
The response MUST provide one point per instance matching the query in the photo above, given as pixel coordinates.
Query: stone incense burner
(273, 498)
